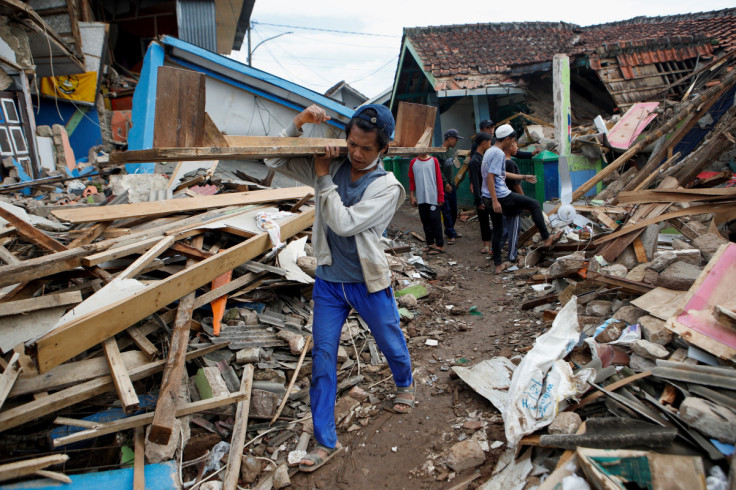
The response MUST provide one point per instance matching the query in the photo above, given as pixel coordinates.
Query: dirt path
(393, 451)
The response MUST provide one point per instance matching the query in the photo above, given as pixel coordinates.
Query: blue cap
(453, 133)
(383, 120)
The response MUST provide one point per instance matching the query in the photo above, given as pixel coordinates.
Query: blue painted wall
(86, 134)
(143, 113)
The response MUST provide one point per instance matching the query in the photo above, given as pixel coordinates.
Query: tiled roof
(474, 55)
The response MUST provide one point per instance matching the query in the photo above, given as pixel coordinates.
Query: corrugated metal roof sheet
(197, 25)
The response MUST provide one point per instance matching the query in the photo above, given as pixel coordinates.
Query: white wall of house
(460, 117)
(238, 112)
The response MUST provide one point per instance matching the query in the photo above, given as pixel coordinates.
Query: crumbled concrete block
(637, 273)
(708, 244)
(598, 308)
(296, 341)
(565, 423)
(650, 277)
(358, 393)
(640, 364)
(250, 469)
(248, 355)
(407, 301)
(616, 270)
(610, 333)
(663, 260)
(679, 276)
(710, 419)
(678, 244)
(627, 258)
(249, 317)
(654, 330)
(281, 477)
(567, 265)
(628, 314)
(465, 454)
(263, 404)
(343, 407)
(649, 350)
(210, 383)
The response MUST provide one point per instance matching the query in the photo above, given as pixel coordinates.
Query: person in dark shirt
(449, 207)
(482, 143)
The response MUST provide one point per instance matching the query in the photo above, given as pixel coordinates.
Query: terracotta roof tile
(479, 52)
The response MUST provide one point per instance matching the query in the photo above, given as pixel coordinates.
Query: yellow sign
(81, 87)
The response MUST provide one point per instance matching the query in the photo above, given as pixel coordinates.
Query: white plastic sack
(540, 383)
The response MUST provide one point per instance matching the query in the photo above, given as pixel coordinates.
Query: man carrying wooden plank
(355, 201)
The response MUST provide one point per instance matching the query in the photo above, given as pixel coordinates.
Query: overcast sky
(365, 53)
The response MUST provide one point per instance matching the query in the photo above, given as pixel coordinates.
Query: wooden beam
(141, 262)
(7, 257)
(40, 303)
(146, 418)
(31, 233)
(211, 134)
(180, 102)
(677, 195)
(123, 384)
(79, 335)
(139, 463)
(27, 467)
(120, 252)
(691, 211)
(168, 398)
(624, 284)
(241, 153)
(73, 373)
(122, 211)
(38, 267)
(237, 440)
(10, 374)
(142, 342)
(164, 418)
(639, 251)
(27, 412)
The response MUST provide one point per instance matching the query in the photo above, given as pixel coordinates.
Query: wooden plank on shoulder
(121, 211)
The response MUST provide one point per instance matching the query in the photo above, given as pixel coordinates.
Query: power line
(379, 69)
(323, 30)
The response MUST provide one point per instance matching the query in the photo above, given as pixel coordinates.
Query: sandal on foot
(436, 251)
(427, 248)
(316, 459)
(405, 395)
(451, 241)
(485, 250)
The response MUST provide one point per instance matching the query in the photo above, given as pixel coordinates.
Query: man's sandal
(405, 395)
(317, 460)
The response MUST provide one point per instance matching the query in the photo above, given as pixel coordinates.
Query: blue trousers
(449, 213)
(332, 304)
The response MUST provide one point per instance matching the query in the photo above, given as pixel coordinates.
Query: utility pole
(251, 51)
